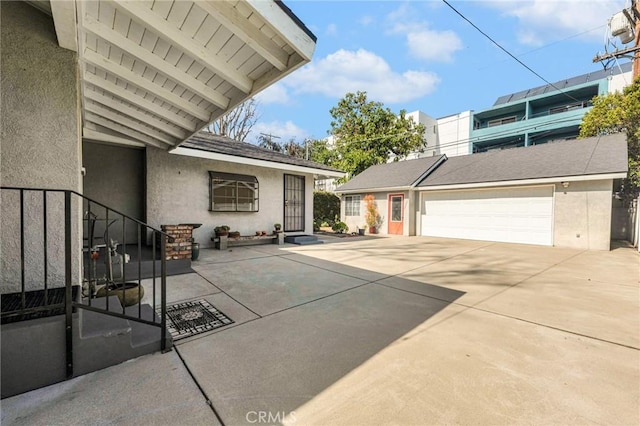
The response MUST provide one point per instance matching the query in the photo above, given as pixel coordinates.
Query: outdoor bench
(223, 242)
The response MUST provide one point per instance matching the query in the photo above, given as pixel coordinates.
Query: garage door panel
(519, 215)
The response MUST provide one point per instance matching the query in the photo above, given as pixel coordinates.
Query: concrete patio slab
(361, 273)
(454, 332)
(282, 361)
(150, 390)
(556, 298)
(179, 288)
(393, 255)
(479, 368)
(270, 284)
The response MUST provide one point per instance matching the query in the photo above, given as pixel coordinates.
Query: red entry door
(396, 214)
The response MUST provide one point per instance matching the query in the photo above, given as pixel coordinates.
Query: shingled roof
(399, 174)
(581, 157)
(210, 143)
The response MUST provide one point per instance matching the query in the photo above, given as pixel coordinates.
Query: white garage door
(513, 215)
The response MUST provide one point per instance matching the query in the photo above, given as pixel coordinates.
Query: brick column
(180, 248)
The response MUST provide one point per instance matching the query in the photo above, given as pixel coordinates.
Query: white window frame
(349, 202)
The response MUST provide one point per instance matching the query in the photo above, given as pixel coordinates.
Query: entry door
(293, 203)
(396, 214)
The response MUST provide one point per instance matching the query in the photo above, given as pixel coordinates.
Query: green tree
(614, 113)
(366, 133)
(326, 206)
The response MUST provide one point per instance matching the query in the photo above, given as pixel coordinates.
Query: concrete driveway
(392, 331)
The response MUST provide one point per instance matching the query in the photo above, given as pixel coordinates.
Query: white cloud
(544, 20)
(433, 45)
(285, 131)
(423, 42)
(366, 20)
(332, 29)
(274, 94)
(350, 71)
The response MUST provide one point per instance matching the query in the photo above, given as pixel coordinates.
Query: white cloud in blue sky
(544, 20)
(349, 71)
(285, 131)
(275, 94)
(422, 41)
(421, 55)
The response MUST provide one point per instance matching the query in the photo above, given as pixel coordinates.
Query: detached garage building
(556, 194)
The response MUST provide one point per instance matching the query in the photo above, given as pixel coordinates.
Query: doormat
(191, 318)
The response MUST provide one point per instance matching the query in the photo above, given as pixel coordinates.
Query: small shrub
(340, 227)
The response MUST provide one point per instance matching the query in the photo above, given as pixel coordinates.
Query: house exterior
(88, 87)
(555, 194)
(191, 184)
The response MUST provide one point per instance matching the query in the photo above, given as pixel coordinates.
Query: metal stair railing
(25, 210)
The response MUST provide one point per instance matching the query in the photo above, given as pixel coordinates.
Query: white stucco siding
(178, 192)
(453, 134)
(582, 215)
(40, 145)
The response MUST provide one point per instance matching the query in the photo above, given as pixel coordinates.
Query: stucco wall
(382, 201)
(178, 192)
(582, 215)
(115, 177)
(40, 138)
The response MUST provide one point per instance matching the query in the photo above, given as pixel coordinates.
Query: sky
(421, 55)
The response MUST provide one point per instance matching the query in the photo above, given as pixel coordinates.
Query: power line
(507, 52)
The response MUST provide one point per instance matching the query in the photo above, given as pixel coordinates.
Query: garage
(513, 215)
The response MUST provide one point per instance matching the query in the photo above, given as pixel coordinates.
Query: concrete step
(105, 340)
(302, 240)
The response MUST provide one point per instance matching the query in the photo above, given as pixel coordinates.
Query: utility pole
(635, 5)
(633, 16)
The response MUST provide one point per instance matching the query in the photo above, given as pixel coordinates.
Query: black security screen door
(293, 203)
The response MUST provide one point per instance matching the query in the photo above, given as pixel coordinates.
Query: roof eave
(190, 152)
(519, 182)
(364, 190)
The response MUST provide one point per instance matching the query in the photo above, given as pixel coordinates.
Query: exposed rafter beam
(163, 29)
(127, 122)
(229, 17)
(94, 118)
(124, 73)
(126, 109)
(138, 52)
(64, 21)
(139, 101)
(95, 135)
(282, 24)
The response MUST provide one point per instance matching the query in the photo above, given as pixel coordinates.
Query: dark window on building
(230, 192)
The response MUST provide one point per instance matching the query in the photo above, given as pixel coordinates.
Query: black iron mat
(191, 318)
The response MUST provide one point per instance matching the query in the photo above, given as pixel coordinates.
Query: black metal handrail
(89, 276)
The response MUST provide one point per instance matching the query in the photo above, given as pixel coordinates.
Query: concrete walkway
(384, 330)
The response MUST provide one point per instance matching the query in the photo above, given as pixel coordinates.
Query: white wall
(453, 134)
(40, 136)
(619, 81)
(382, 202)
(582, 215)
(178, 192)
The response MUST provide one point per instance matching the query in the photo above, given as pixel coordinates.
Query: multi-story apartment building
(541, 114)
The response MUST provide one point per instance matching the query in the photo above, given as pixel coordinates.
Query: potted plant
(372, 217)
(361, 230)
(234, 234)
(221, 230)
(277, 227)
